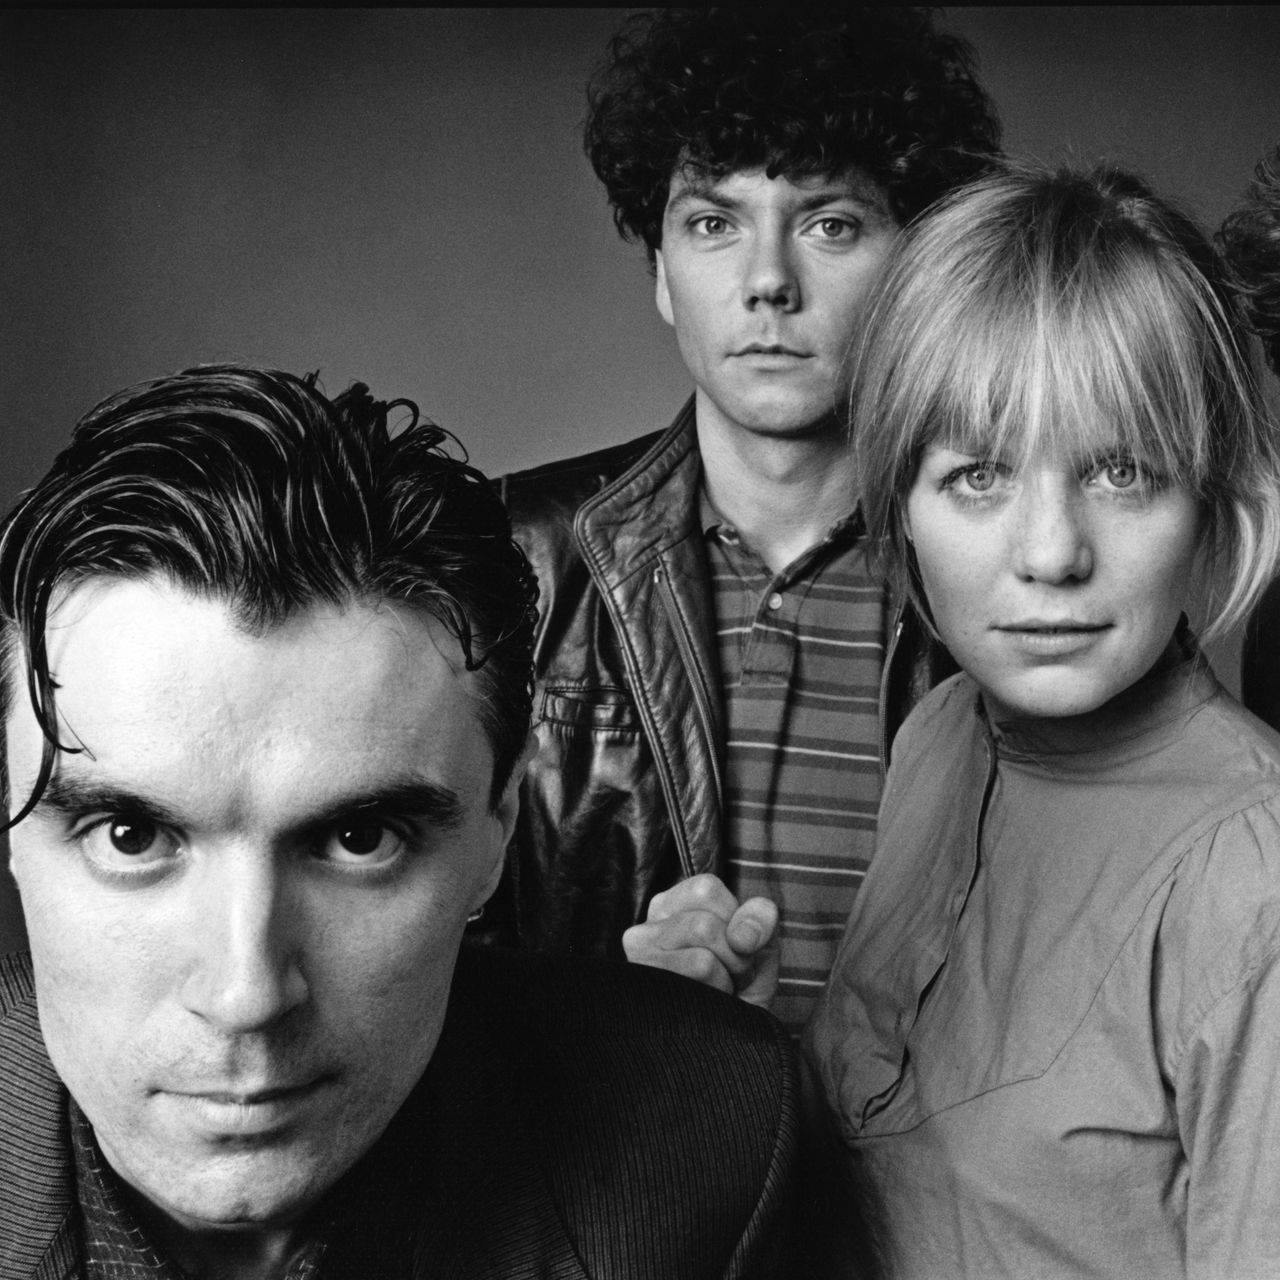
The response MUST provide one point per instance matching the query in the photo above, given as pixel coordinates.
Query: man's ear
(661, 294)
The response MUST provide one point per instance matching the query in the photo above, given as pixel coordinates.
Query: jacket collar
(37, 1211)
(642, 541)
(623, 527)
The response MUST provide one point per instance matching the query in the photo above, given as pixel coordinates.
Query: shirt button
(775, 601)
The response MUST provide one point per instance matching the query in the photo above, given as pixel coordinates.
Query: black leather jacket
(624, 796)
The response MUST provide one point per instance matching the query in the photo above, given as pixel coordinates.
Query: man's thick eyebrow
(711, 190)
(702, 189)
(406, 798)
(69, 796)
(409, 798)
(838, 193)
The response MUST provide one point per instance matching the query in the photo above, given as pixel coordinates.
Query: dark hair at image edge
(1250, 242)
(801, 90)
(251, 487)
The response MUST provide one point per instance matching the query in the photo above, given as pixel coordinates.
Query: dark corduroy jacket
(624, 795)
(577, 1120)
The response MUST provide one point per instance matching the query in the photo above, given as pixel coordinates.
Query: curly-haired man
(711, 649)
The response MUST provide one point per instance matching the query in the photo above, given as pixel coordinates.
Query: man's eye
(362, 843)
(121, 843)
(710, 224)
(836, 228)
(133, 838)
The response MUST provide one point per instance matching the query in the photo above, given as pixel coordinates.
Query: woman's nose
(1051, 535)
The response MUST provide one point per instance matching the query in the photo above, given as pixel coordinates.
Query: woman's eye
(123, 843)
(979, 478)
(362, 843)
(1121, 474)
(983, 480)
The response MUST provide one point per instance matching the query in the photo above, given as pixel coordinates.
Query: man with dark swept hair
(713, 685)
(267, 694)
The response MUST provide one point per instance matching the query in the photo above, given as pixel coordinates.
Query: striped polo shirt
(801, 653)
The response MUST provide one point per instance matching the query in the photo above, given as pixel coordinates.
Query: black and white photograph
(640, 643)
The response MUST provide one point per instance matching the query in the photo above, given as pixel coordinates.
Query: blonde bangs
(1106, 357)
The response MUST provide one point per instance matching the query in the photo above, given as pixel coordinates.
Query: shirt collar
(114, 1243)
(845, 530)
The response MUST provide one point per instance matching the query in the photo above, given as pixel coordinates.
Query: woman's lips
(1053, 639)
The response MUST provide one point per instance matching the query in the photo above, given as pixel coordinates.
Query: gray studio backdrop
(399, 196)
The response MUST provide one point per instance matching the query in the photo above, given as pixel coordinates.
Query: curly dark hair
(251, 487)
(1250, 241)
(804, 90)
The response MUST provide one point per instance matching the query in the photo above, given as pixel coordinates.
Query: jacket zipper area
(701, 696)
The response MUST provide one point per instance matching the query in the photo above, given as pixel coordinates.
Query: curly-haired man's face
(764, 280)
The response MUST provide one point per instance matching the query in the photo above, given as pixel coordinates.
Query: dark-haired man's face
(764, 280)
(245, 894)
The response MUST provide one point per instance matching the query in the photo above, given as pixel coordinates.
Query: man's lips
(244, 1113)
(773, 349)
(247, 1097)
(247, 1093)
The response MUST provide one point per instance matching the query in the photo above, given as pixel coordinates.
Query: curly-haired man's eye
(837, 228)
(710, 224)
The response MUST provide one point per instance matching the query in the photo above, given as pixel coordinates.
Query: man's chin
(234, 1190)
(782, 420)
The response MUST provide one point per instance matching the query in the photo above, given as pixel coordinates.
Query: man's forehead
(108, 619)
(151, 678)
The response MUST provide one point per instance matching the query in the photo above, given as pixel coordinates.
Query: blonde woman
(1052, 1033)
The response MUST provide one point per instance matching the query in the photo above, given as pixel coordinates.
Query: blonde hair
(1033, 306)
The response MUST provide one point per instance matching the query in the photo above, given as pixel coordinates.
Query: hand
(699, 929)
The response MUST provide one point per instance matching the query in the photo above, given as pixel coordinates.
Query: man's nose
(771, 276)
(1052, 540)
(245, 972)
